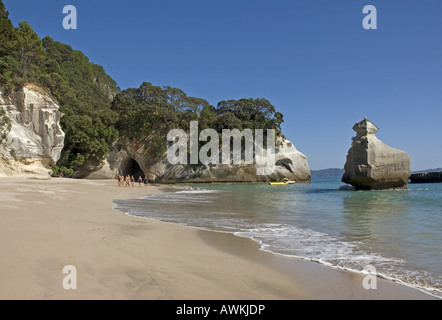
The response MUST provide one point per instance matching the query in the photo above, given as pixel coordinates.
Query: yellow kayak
(284, 182)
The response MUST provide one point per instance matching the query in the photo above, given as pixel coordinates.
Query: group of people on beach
(129, 181)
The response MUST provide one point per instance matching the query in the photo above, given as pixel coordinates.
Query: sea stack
(373, 165)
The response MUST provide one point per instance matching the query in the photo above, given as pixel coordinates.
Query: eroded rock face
(289, 163)
(36, 139)
(373, 165)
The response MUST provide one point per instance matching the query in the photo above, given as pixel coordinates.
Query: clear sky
(312, 59)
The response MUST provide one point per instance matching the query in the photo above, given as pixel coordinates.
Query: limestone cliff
(129, 157)
(373, 165)
(35, 139)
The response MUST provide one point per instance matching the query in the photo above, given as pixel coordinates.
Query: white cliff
(129, 156)
(291, 163)
(36, 139)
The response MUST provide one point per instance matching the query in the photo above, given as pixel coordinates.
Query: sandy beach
(48, 224)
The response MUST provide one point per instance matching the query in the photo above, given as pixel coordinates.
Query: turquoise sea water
(399, 232)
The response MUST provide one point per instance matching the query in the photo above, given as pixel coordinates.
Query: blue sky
(312, 59)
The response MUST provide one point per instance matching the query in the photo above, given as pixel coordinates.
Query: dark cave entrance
(132, 168)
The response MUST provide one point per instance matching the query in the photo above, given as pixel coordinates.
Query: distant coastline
(327, 173)
(428, 170)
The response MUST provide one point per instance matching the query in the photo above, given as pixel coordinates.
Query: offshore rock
(373, 165)
(35, 139)
(429, 177)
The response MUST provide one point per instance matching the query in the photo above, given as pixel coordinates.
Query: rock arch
(130, 166)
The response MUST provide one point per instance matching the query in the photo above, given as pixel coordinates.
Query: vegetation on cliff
(5, 125)
(83, 90)
(96, 113)
(21, 52)
(152, 109)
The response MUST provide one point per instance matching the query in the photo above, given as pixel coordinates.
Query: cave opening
(132, 168)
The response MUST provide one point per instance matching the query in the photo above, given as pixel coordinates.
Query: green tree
(6, 29)
(207, 117)
(84, 92)
(21, 52)
(249, 113)
(28, 52)
(149, 112)
(154, 109)
(8, 65)
(5, 125)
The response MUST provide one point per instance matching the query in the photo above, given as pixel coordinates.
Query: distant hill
(327, 173)
(428, 170)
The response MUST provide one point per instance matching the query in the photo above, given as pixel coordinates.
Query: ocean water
(399, 232)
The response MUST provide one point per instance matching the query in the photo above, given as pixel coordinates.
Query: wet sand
(46, 225)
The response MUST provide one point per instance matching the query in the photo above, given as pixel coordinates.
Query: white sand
(46, 225)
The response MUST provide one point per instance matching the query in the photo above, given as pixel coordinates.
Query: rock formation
(429, 177)
(35, 139)
(132, 157)
(373, 165)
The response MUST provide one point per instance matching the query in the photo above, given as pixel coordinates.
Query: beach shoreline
(46, 225)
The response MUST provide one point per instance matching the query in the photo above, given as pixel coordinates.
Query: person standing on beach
(132, 180)
(145, 181)
(140, 180)
(121, 181)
